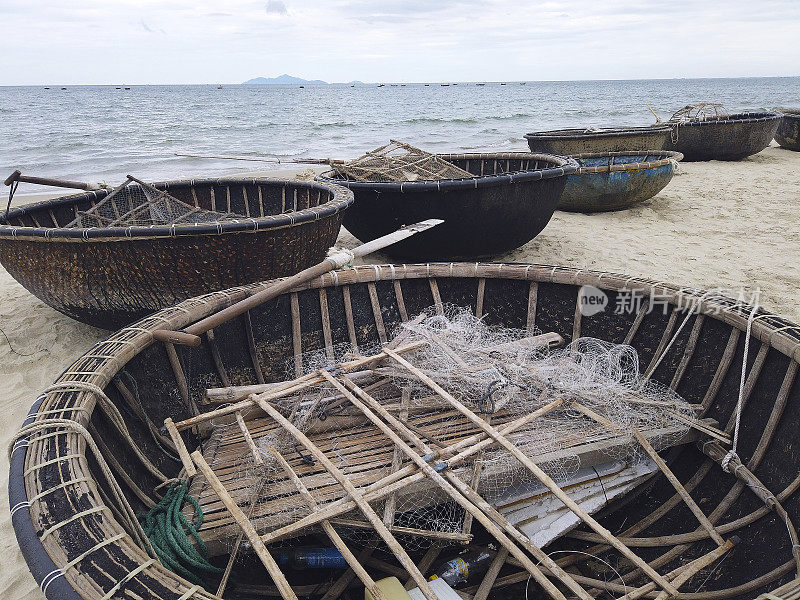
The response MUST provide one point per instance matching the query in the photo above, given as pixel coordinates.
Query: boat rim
(669, 156)
(130, 341)
(577, 133)
(742, 117)
(565, 166)
(342, 198)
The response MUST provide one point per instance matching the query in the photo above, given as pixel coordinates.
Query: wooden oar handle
(62, 183)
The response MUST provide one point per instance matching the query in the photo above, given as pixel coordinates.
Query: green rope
(170, 534)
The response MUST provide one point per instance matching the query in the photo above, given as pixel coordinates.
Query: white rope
(340, 257)
(127, 510)
(725, 463)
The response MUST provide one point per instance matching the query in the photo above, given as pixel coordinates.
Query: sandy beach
(731, 226)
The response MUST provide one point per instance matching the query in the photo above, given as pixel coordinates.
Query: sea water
(102, 133)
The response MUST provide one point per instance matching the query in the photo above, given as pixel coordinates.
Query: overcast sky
(214, 41)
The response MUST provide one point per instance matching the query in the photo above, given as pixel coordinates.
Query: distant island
(283, 80)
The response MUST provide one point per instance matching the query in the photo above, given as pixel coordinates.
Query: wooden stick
(685, 572)
(397, 461)
(235, 393)
(232, 559)
(486, 585)
(334, 537)
(183, 451)
(446, 536)
(694, 567)
(176, 337)
(427, 560)
(258, 546)
(355, 494)
(543, 477)
(284, 285)
(249, 439)
(405, 476)
(449, 486)
(289, 387)
(472, 496)
(648, 447)
(340, 585)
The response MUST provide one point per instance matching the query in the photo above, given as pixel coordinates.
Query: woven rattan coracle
(616, 180)
(91, 455)
(731, 137)
(507, 203)
(568, 142)
(788, 133)
(108, 277)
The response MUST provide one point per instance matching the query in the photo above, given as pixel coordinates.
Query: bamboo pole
(695, 567)
(249, 439)
(452, 487)
(223, 583)
(543, 477)
(258, 546)
(284, 285)
(648, 447)
(485, 588)
(334, 537)
(289, 387)
(355, 494)
(405, 476)
(685, 572)
(183, 451)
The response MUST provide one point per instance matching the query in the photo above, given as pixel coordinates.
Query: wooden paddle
(190, 336)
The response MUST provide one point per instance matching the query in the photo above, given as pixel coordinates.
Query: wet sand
(731, 226)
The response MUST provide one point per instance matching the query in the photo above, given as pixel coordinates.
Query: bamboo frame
(355, 494)
(247, 527)
(543, 477)
(453, 486)
(334, 537)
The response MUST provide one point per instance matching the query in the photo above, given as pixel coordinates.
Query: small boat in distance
(381, 85)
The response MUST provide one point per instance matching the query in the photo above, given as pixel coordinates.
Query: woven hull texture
(112, 277)
(603, 185)
(507, 204)
(726, 138)
(568, 142)
(698, 354)
(788, 133)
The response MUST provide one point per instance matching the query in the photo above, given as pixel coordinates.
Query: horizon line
(448, 81)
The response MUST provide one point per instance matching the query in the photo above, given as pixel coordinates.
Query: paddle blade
(396, 236)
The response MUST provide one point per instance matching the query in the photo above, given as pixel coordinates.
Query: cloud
(276, 7)
(149, 29)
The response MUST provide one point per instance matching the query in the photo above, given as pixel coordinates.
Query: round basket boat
(788, 133)
(731, 137)
(568, 142)
(110, 276)
(507, 203)
(615, 180)
(75, 464)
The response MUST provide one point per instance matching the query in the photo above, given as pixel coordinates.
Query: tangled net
(138, 204)
(699, 112)
(398, 161)
(501, 374)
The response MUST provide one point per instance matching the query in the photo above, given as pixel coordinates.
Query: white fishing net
(500, 374)
(142, 205)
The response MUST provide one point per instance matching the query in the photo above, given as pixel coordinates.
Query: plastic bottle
(312, 558)
(470, 563)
